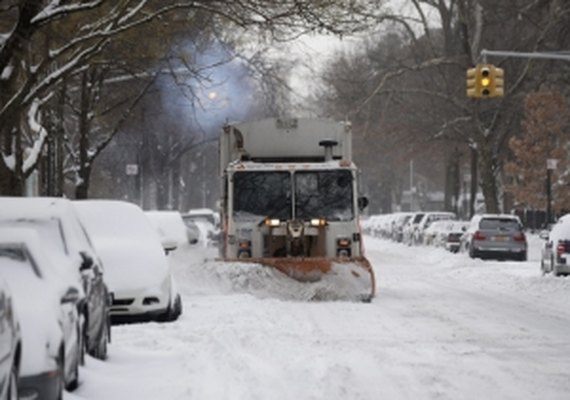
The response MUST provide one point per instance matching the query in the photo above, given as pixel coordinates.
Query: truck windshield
(324, 194)
(262, 194)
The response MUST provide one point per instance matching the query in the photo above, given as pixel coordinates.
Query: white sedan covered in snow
(46, 304)
(137, 270)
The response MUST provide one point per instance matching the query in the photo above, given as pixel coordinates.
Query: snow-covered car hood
(130, 265)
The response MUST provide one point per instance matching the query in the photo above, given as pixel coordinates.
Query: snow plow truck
(290, 201)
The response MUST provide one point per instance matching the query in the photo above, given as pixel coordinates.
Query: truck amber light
(343, 242)
(272, 222)
(318, 222)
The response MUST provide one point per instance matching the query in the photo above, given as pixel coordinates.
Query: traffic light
(472, 83)
(498, 88)
(485, 80)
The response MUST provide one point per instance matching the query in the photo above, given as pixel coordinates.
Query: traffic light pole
(516, 54)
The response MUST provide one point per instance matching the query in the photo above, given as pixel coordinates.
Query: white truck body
(290, 198)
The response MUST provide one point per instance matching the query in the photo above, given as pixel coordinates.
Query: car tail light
(478, 236)
(519, 237)
(561, 248)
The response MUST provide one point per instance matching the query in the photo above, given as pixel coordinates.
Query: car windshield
(324, 194)
(16, 255)
(262, 194)
(503, 224)
(49, 230)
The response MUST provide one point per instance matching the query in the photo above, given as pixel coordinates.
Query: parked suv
(556, 249)
(71, 251)
(498, 236)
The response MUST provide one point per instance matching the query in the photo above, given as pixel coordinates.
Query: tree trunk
(84, 172)
(82, 187)
(488, 177)
(474, 182)
(9, 184)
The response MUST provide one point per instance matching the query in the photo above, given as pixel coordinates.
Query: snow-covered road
(441, 327)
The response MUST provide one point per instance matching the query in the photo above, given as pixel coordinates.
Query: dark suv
(70, 248)
(497, 236)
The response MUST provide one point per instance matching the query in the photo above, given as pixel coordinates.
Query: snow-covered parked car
(434, 234)
(208, 221)
(452, 235)
(137, 269)
(10, 342)
(427, 219)
(171, 227)
(46, 303)
(70, 250)
(556, 250)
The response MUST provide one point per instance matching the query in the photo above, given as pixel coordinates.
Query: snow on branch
(54, 10)
(40, 133)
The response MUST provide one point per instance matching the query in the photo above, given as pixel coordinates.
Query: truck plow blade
(330, 278)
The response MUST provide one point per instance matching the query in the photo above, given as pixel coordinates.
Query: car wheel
(74, 382)
(176, 310)
(13, 384)
(61, 374)
(101, 350)
(554, 267)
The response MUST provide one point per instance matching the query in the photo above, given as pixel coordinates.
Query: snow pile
(197, 274)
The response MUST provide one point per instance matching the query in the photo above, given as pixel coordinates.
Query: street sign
(132, 169)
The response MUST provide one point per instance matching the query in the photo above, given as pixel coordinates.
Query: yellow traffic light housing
(472, 83)
(485, 80)
(498, 89)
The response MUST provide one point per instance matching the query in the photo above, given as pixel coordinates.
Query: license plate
(500, 238)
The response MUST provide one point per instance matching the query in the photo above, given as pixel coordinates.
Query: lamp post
(551, 164)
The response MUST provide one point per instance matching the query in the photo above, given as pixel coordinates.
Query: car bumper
(130, 306)
(454, 247)
(43, 386)
(563, 269)
(499, 253)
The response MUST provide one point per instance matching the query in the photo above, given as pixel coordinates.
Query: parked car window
(506, 224)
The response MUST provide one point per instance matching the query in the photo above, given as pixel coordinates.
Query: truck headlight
(318, 222)
(272, 222)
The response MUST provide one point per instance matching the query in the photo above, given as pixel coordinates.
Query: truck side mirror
(362, 202)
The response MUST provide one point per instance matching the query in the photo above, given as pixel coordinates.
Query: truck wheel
(13, 383)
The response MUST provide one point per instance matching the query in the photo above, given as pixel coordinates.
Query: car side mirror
(86, 262)
(544, 234)
(169, 245)
(362, 202)
(71, 296)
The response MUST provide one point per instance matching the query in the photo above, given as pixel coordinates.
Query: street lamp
(551, 164)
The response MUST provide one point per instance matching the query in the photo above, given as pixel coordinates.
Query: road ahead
(441, 327)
